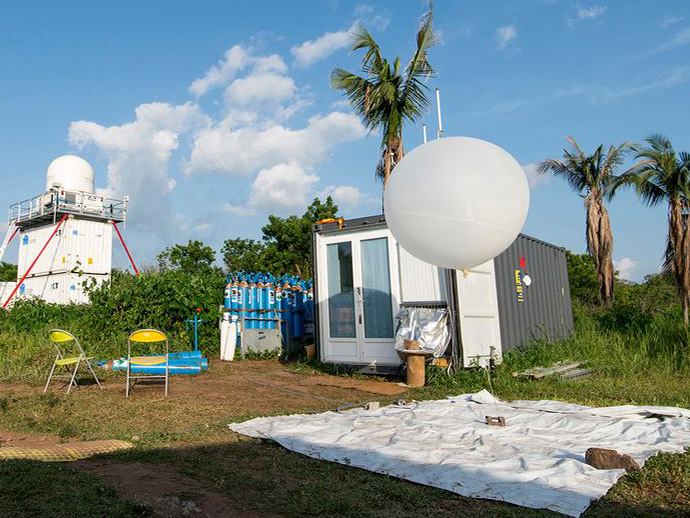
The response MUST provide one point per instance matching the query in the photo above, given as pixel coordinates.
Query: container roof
(379, 220)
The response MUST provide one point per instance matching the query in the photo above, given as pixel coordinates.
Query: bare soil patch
(167, 493)
(383, 388)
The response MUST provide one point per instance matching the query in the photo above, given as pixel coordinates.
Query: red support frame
(126, 249)
(28, 271)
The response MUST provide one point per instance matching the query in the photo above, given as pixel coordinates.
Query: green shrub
(162, 300)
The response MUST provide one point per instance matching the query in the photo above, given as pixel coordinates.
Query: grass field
(184, 446)
(186, 462)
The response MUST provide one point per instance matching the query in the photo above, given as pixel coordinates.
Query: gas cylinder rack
(272, 312)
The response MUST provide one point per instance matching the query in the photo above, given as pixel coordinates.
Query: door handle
(360, 319)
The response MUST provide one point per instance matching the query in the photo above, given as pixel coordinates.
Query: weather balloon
(456, 202)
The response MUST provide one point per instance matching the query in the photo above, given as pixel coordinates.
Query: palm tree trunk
(600, 245)
(678, 254)
(387, 167)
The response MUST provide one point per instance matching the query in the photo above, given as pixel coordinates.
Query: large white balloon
(456, 202)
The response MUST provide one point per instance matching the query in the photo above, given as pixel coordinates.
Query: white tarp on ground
(537, 460)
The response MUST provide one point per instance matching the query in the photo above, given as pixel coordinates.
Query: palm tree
(590, 177)
(385, 96)
(662, 175)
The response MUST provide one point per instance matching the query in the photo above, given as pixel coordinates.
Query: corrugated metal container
(64, 288)
(6, 289)
(542, 309)
(496, 308)
(79, 245)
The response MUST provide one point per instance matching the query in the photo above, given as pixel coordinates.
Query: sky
(212, 115)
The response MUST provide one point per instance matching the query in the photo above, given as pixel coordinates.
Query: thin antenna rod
(424, 132)
(438, 107)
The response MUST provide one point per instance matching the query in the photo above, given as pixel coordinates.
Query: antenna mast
(438, 109)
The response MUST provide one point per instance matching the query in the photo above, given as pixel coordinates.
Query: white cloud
(260, 88)
(374, 16)
(311, 51)
(681, 38)
(237, 210)
(534, 178)
(244, 150)
(626, 268)
(671, 20)
(603, 94)
(344, 195)
(202, 227)
(236, 59)
(586, 13)
(138, 155)
(505, 34)
(281, 188)
(341, 103)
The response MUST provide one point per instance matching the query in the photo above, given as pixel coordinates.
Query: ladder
(12, 229)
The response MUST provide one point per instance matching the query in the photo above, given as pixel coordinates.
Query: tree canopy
(285, 246)
(192, 258)
(386, 95)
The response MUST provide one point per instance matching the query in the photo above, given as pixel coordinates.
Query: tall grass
(661, 343)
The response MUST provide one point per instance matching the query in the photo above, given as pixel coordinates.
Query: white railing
(56, 202)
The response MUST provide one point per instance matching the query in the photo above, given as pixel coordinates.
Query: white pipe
(438, 107)
(424, 132)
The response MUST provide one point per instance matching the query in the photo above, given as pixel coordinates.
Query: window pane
(376, 285)
(341, 295)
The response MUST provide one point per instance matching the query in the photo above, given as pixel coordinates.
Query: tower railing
(49, 205)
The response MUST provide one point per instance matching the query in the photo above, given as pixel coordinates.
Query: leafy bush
(162, 300)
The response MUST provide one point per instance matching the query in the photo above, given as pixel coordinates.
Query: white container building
(65, 234)
(363, 277)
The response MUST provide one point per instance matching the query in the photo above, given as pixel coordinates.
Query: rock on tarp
(537, 460)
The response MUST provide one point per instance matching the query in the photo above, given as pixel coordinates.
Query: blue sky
(212, 115)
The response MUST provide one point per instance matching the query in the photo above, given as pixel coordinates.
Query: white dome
(70, 172)
(456, 202)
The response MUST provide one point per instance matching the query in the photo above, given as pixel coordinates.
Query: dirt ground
(166, 492)
(241, 389)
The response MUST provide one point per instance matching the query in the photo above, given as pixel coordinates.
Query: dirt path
(168, 493)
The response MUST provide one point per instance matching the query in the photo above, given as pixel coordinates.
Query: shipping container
(362, 277)
(543, 310)
(80, 245)
(61, 288)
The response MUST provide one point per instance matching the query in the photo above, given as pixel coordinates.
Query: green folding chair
(160, 363)
(65, 342)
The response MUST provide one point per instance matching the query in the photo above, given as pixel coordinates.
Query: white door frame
(364, 348)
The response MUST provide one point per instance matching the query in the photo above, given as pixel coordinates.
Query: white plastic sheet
(536, 460)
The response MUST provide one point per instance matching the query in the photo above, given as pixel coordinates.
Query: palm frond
(372, 60)
(568, 170)
(418, 70)
(627, 179)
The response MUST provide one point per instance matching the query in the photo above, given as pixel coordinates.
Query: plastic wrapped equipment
(427, 326)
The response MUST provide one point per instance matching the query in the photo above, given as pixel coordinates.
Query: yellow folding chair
(62, 340)
(149, 336)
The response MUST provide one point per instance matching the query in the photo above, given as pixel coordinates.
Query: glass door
(340, 304)
(379, 302)
(360, 297)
